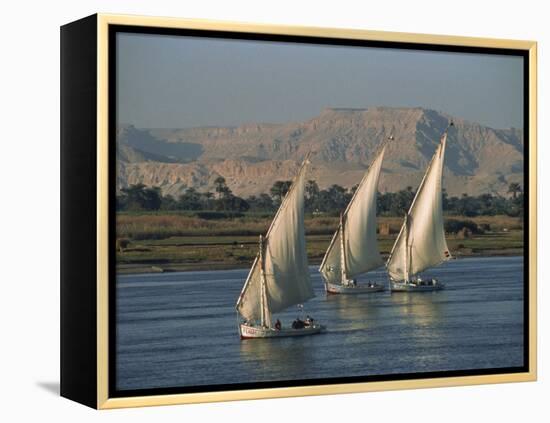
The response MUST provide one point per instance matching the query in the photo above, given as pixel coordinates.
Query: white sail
(331, 267)
(249, 302)
(360, 247)
(287, 279)
(421, 242)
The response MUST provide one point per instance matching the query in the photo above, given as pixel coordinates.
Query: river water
(180, 329)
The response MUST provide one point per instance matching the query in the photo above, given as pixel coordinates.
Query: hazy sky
(179, 82)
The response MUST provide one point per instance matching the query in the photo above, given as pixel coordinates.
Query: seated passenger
(298, 324)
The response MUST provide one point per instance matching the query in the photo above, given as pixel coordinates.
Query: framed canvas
(256, 211)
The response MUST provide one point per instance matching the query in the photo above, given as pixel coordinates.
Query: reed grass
(161, 226)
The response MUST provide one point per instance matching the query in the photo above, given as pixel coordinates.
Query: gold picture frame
(77, 387)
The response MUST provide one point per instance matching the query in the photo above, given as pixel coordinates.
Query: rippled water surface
(180, 329)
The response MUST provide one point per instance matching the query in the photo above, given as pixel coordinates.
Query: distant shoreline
(168, 243)
(137, 268)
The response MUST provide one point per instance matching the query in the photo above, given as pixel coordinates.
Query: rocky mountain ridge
(342, 142)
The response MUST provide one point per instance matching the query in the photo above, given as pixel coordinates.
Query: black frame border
(78, 211)
(113, 30)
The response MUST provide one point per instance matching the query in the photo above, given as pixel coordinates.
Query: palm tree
(514, 188)
(312, 189)
(221, 187)
(208, 196)
(279, 189)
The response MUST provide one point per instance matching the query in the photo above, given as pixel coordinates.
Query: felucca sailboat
(279, 277)
(353, 249)
(421, 242)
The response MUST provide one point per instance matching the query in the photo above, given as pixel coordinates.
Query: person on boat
(309, 321)
(298, 324)
(278, 324)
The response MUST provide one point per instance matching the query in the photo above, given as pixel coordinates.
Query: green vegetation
(329, 201)
(208, 230)
(184, 241)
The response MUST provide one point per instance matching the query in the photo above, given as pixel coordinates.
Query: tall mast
(343, 250)
(406, 228)
(265, 315)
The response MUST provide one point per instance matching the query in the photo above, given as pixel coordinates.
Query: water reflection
(422, 308)
(171, 339)
(267, 356)
(355, 311)
(422, 317)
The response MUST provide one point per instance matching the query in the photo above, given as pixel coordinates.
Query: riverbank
(186, 253)
(135, 269)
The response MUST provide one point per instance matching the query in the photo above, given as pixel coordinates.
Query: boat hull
(352, 290)
(416, 287)
(257, 332)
